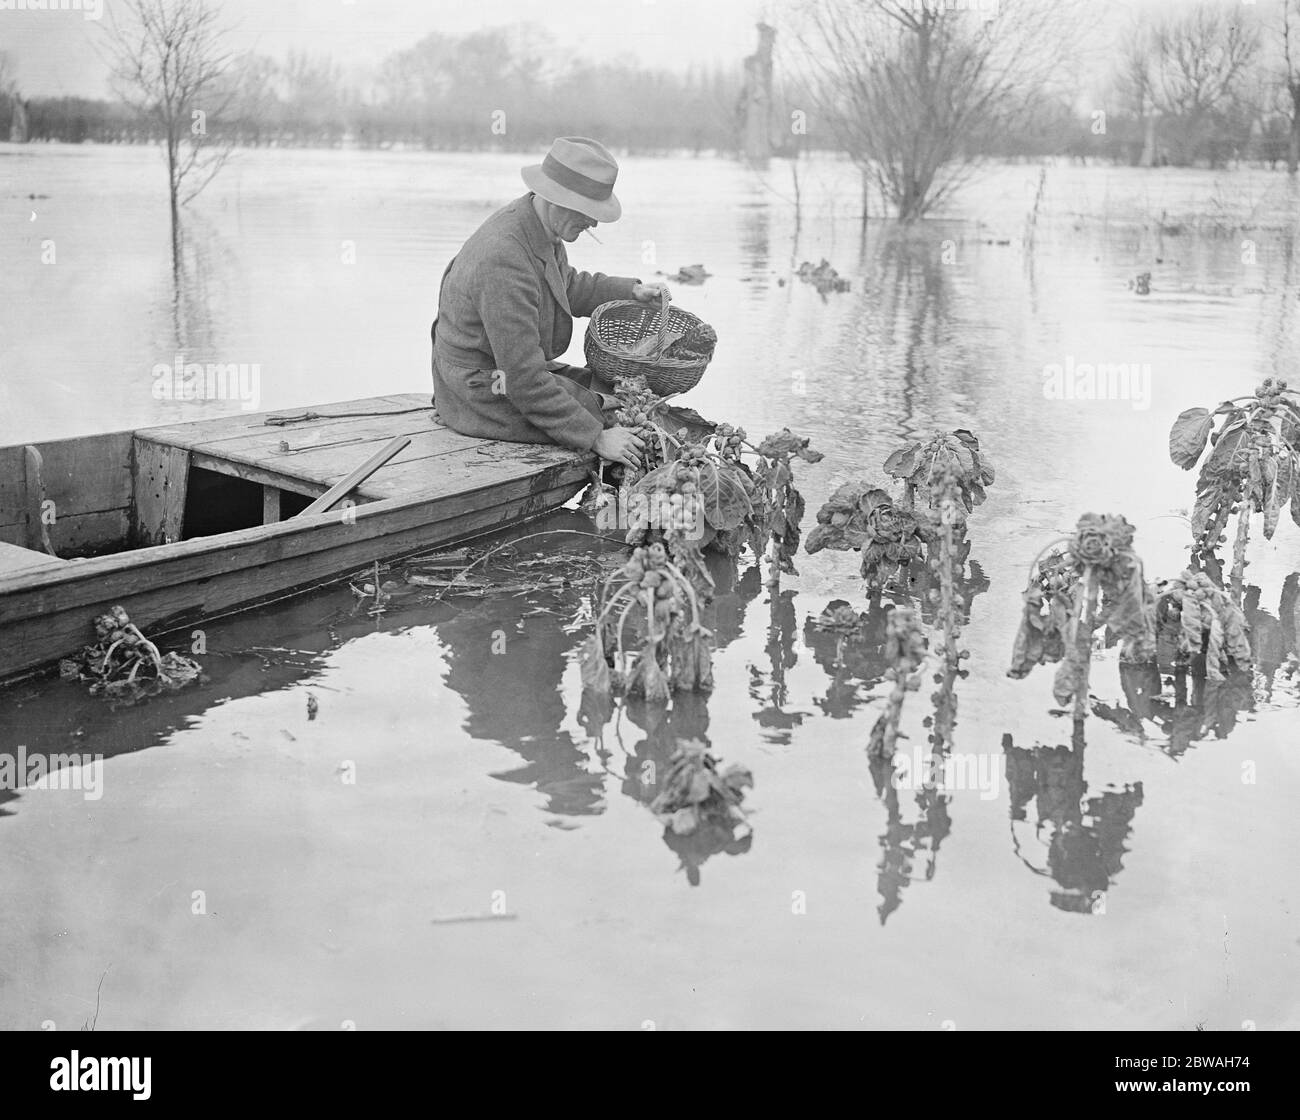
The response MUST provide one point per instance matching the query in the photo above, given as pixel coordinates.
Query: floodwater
(244, 864)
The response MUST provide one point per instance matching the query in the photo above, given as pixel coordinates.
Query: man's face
(567, 224)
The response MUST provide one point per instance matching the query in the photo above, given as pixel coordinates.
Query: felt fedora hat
(577, 173)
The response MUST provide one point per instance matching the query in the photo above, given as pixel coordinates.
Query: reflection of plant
(1084, 847)
(905, 646)
(1189, 715)
(661, 775)
(901, 842)
(1253, 467)
(1097, 581)
(696, 793)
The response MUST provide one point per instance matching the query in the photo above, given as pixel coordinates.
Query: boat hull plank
(86, 480)
(160, 476)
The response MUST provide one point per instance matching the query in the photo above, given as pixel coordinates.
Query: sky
(53, 52)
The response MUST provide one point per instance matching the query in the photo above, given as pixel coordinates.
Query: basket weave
(617, 326)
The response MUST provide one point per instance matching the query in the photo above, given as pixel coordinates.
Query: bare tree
(1283, 34)
(916, 90)
(1134, 84)
(1201, 63)
(8, 84)
(928, 85)
(168, 64)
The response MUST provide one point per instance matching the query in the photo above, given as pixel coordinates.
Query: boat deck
(312, 452)
(14, 559)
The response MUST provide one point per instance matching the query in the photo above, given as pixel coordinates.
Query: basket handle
(663, 322)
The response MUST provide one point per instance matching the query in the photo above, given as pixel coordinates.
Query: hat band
(576, 181)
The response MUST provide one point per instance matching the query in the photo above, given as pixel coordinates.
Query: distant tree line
(497, 88)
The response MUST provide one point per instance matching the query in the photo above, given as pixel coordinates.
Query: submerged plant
(1205, 629)
(1096, 581)
(1253, 466)
(124, 665)
(650, 600)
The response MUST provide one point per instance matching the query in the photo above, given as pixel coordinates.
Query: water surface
(478, 782)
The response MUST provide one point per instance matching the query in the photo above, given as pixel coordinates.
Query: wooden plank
(323, 466)
(161, 606)
(13, 487)
(38, 529)
(196, 433)
(261, 475)
(309, 439)
(88, 474)
(160, 481)
(270, 505)
(356, 477)
(80, 533)
(109, 577)
(465, 473)
(14, 560)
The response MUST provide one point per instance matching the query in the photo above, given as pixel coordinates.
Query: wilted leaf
(1279, 490)
(1188, 436)
(1295, 490)
(903, 461)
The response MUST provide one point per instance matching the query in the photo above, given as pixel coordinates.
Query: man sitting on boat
(506, 307)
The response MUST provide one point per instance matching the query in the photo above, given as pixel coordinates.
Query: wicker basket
(617, 326)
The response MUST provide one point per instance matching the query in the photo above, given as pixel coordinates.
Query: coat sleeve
(509, 308)
(588, 290)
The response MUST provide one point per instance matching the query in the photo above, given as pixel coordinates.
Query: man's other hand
(651, 293)
(620, 445)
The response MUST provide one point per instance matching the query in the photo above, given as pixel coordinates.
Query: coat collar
(546, 250)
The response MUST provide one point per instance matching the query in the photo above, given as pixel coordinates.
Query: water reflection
(903, 843)
(850, 648)
(509, 673)
(1075, 840)
(768, 688)
(1186, 707)
(649, 761)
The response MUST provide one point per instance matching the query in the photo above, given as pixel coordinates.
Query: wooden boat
(187, 521)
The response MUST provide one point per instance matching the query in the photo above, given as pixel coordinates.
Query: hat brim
(537, 181)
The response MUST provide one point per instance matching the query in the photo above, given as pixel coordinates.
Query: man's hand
(650, 293)
(620, 445)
